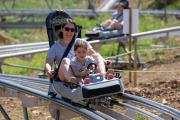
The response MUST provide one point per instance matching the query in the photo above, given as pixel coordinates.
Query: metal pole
(25, 112)
(1, 71)
(139, 3)
(135, 62)
(130, 41)
(165, 16)
(21, 66)
(57, 117)
(165, 12)
(4, 113)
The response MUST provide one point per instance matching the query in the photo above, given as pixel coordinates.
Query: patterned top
(81, 67)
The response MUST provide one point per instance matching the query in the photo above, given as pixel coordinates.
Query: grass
(27, 36)
(38, 61)
(42, 4)
(141, 117)
(149, 22)
(88, 24)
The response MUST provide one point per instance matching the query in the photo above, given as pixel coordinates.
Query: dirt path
(162, 82)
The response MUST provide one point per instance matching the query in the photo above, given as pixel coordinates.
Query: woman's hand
(50, 73)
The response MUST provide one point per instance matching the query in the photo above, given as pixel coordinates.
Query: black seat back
(53, 20)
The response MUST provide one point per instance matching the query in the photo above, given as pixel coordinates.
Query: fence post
(135, 61)
(25, 112)
(4, 113)
(130, 44)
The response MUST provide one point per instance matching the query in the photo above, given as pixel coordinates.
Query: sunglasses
(67, 29)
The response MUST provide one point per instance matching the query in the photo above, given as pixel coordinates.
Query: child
(81, 61)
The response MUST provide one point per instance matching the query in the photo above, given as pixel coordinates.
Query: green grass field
(44, 4)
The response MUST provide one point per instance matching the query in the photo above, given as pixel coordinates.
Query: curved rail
(90, 114)
(166, 109)
(155, 117)
(22, 49)
(40, 84)
(35, 86)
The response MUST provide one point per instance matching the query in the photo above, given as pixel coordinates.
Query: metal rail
(21, 66)
(161, 12)
(37, 86)
(4, 113)
(31, 48)
(23, 49)
(42, 83)
(75, 12)
(161, 33)
(168, 110)
(146, 113)
(77, 109)
(22, 45)
(23, 24)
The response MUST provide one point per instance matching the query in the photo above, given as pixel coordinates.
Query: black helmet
(124, 3)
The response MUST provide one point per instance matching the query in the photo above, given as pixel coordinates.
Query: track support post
(25, 112)
(4, 113)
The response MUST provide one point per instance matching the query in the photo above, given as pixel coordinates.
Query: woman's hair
(62, 26)
(80, 43)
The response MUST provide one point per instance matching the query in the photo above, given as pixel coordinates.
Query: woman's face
(68, 32)
(81, 53)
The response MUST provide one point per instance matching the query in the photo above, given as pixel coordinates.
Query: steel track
(76, 12)
(36, 24)
(37, 87)
(32, 48)
(87, 113)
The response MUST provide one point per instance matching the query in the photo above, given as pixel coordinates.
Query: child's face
(81, 53)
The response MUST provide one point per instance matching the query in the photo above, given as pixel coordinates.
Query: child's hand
(85, 72)
(87, 81)
(108, 63)
(74, 80)
(110, 74)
